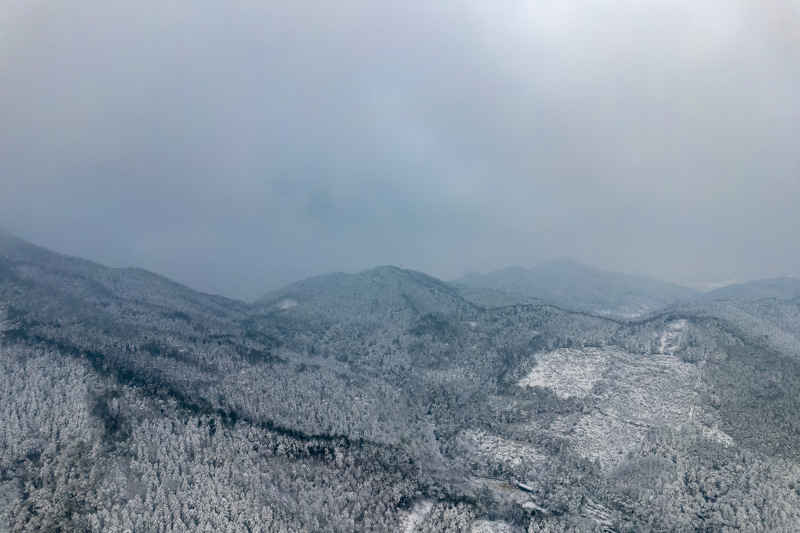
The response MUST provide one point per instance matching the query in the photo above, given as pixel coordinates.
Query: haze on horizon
(238, 146)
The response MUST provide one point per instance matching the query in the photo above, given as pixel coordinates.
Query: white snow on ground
(485, 526)
(508, 451)
(417, 515)
(624, 312)
(628, 394)
(671, 337)
(716, 434)
(567, 372)
(288, 303)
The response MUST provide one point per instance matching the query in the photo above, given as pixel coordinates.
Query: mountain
(768, 309)
(45, 274)
(379, 294)
(572, 285)
(384, 401)
(489, 298)
(778, 288)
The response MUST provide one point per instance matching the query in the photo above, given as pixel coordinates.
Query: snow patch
(288, 303)
(628, 393)
(625, 312)
(507, 451)
(417, 515)
(717, 435)
(641, 393)
(599, 514)
(567, 372)
(670, 339)
(485, 526)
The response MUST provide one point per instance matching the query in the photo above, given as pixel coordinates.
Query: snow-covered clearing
(567, 372)
(716, 434)
(417, 515)
(510, 452)
(670, 339)
(629, 394)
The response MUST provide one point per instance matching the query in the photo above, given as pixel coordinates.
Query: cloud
(237, 146)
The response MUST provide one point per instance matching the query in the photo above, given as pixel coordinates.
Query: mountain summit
(381, 293)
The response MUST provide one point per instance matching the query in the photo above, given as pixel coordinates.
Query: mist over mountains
(388, 401)
(248, 307)
(237, 148)
(569, 284)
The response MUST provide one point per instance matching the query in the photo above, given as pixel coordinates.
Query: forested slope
(383, 401)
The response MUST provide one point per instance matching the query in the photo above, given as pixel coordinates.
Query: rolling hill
(383, 293)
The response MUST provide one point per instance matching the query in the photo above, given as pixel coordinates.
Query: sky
(237, 146)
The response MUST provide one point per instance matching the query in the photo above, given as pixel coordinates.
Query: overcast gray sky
(235, 146)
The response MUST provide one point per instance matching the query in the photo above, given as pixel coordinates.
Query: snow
(504, 450)
(670, 339)
(567, 372)
(417, 515)
(288, 303)
(486, 526)
(626, 313)
(717, 435)
(629, 394)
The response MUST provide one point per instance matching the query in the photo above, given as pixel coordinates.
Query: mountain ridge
(573, 285)
(785, 288)
(386, 384)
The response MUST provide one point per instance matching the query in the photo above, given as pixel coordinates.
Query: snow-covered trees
(133, 404)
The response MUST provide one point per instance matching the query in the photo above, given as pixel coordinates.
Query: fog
(236, 146)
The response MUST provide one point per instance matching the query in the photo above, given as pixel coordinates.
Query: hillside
(382, 401)
(767, 310)
(778, 288)
(571, 285)
(44, 273)
(379, 294)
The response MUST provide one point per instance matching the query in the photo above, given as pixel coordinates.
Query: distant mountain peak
(571, 284)
(782, 288)
(371, 294)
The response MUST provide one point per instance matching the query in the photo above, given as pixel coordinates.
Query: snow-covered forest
(385, 401)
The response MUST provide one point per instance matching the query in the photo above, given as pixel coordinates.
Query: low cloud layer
(236, 146)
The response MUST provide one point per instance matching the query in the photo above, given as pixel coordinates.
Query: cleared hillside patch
(626, 395)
